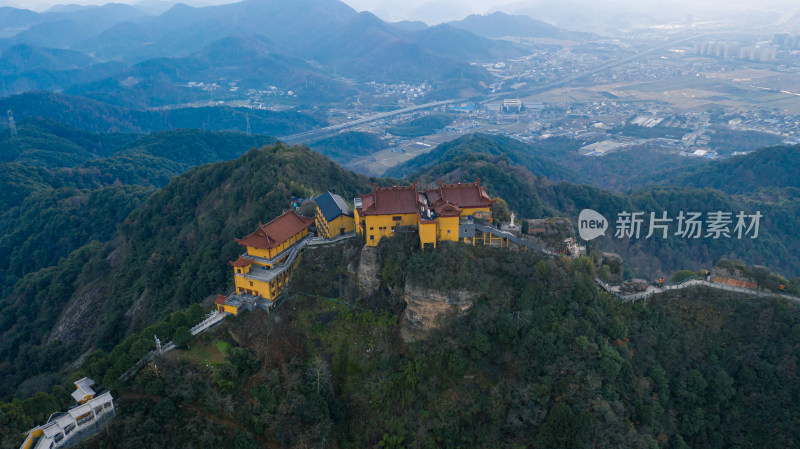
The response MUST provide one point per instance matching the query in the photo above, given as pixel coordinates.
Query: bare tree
(318, 374)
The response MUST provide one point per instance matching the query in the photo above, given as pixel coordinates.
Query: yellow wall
(445, 224)
(242, 270)
(427, 234)
(471, 210)
(243, 285)
(269, 290)
(229, 309)
(274, 252)
(332, 229)
(322, 225)
(378, 226)
(258, 252)
(342, 221)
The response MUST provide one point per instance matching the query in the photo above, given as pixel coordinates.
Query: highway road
(320, 133)
(328, 130)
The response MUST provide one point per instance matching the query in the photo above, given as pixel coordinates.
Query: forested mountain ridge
(251, 62)
(557, 158)
(765, 168)
(50, 154)
(188, 227)
(601, 373)
(97, 116)
(542, 358)
(516, 152)
(153, 262)
(65, 188)
(516, 172)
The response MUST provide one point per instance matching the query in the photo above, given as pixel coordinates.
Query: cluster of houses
(437, 213)
(272, 251)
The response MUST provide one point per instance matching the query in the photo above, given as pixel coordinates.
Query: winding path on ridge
(690, 283)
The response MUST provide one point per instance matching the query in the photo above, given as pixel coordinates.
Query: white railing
(211, 320)
(67, 427)
(688, 283)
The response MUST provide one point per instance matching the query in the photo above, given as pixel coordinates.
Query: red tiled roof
(220, 300)
(277, 231)
(241, 262)
(446, 209)
(464, 195)
(390, 200)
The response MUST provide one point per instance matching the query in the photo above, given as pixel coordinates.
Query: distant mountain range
(63, 28)
(498, 25)
(236, 38)
(124, 56)
(246, 62)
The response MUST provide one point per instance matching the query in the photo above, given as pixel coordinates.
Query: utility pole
(247, 117)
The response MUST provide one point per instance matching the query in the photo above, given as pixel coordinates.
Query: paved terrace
(530, 244)
(278, 268)
(293, 252)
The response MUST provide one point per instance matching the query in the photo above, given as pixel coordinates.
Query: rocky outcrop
(611, 258)
(79, 316)
(425, 306)
(135, 315)
(734, 276)
(634, 286)
(613, 263)
(366, 271)
(552, 228)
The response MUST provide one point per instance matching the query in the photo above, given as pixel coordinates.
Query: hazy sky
(435, 11)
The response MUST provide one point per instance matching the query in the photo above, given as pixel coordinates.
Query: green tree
(682, 275)
(500, 211)
(182, 337)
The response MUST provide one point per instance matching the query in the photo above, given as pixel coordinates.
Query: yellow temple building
(437, 213)
(334, 216)
(271, 256)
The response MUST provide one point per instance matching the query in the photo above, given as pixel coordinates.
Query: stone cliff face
(425, 306)
(552, 228)
(80, 315)
(366, 271)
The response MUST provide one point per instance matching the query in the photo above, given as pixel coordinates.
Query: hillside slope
(541, 359)
(768, 167)
(97, 116)
(515, 151)
(167, 254)
(515, 171)
(499, 24)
